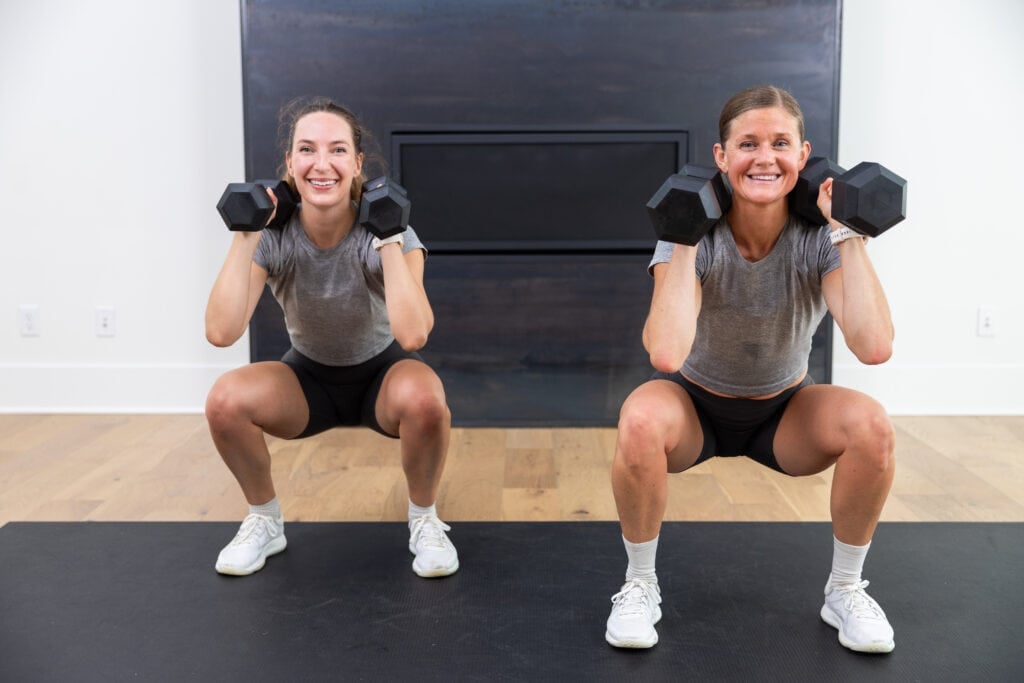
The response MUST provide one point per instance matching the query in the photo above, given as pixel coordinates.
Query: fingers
(273, 198)
(825, 199)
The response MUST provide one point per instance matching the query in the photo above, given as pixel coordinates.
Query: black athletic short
(737, 426)
(343, 396)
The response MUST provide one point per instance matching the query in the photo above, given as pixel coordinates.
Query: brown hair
(296, 109)
(758, 97)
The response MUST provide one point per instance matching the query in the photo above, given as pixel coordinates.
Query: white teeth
(764, 177)
(322, 183)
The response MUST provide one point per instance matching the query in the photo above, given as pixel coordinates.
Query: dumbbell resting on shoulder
(247, 207)
(869, 198)
(688, 204)
(384, 207)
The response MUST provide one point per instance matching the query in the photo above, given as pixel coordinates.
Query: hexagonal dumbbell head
(869, 198)
(688, 204)
(287, 200)
(803, 200)
(245, 207)
(384, 207)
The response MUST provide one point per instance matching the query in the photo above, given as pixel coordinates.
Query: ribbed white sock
(270, 509)
(641, 559)
(415, 511)
(847, 562)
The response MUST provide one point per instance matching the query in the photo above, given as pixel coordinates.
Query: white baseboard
(124, 388)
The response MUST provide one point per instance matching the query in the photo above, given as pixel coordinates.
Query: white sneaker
(435, 554)
(258, 538)
(861, 622)
(635, 611)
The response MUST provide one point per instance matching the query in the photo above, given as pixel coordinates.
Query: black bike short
(737, 426)
(343, 396)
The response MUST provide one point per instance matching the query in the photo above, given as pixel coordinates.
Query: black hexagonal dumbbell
(384, 207)
(247, 207)
(688, 204)
(868, 198)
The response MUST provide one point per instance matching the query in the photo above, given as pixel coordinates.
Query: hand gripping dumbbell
(384, 207)
(247, 207)
(869, 198)
(688, 204)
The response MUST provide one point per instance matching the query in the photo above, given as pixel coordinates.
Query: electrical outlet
(28, 320)
(106, 321)
(986, 322)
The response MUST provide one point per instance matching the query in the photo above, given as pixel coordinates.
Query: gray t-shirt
(757, 319)
(333, 299)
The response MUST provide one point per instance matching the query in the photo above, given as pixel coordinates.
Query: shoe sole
(436, 572)
(273, 548)
(631, 644)
(830, 618)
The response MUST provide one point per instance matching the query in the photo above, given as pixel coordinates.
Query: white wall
(121, 121)
(120, 124)
(934, 89)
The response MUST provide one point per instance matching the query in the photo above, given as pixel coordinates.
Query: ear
(805, 154)
(288, 163)
(723, 165)
(359, 163)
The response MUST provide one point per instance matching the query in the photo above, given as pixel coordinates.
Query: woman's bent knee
(224, 405)
(873, 438)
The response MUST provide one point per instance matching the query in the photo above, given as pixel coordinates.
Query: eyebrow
(313, 142)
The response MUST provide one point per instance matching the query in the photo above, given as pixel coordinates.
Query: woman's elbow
(874, 353)
(412, 340)
(220, 338)
(667, 360)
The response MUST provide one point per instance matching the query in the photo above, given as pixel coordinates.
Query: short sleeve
(828, 254)
(268, 252)
(663, 254)
(411, 241)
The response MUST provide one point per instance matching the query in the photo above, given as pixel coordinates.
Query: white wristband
(844, 233)
(378, 242)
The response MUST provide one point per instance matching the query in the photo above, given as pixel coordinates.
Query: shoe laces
(428, 533)
(636, 598)
(858, 602)
(253, 526)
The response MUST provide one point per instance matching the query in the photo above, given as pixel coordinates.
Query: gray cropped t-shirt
(756, 319)
(333, 299)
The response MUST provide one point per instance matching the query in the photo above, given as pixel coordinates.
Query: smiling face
(324, 159)
(762, 155)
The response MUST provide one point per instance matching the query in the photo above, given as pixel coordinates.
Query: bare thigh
(823, 421)
(660, 414)
(266, 394)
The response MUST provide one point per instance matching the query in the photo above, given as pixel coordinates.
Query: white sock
(847, 562)
(641, 560)
(270, 509)
(415, 511)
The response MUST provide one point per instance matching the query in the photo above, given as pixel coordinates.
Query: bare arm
(855, 297)
(409, 311)
(672, 322)
(236, 291)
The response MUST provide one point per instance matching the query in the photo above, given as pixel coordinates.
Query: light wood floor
(164, 467)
